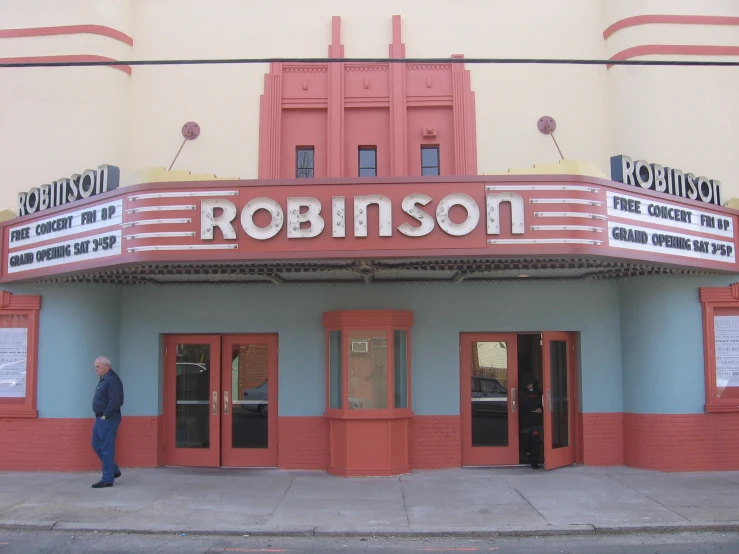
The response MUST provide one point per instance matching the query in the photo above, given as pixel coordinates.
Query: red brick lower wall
(603, 439)
(700, 442)
(52, 444)
(303, 443)
(694, 442)
(435, 442)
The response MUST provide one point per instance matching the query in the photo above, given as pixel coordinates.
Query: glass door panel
(489, 403)
(488, 399)
(559, 404)
(191, 400)
(193, 396)
(560, 436)
(249, 382)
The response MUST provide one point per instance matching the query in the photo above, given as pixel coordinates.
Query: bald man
(106, 404)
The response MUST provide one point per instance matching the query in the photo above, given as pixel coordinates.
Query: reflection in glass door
(559, 400)
(489, 373)
(249, 384)
(191, 401)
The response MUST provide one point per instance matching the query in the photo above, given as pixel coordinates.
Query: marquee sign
(667, 180)
(78, 187)
(363, 218)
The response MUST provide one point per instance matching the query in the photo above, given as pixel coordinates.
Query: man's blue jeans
(103, 443)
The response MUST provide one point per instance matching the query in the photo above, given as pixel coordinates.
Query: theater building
(405, 241)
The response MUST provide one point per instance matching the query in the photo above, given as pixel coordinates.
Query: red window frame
(28, 306)
(717, 301)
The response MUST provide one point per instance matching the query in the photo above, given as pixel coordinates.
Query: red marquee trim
(56, 30)
(669, 19)
(351, 247)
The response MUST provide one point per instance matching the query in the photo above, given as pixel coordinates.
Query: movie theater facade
(368, 300)
(372, 326)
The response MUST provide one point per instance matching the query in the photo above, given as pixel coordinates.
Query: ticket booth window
(334, 370)
(368, 390)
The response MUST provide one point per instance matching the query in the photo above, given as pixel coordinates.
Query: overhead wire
(491, 61)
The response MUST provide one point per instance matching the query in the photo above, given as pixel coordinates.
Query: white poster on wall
(726, 335)
(13, 356)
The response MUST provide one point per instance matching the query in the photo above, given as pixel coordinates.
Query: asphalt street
(113, 543)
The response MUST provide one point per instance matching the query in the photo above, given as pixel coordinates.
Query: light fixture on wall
(547, 126)
(190, 131)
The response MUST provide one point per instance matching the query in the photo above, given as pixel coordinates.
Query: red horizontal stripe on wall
(675, 50)
(670, 20)
(67, 30)
(69, 58)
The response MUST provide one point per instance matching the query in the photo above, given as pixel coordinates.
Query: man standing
(106, 404)
(531, 417)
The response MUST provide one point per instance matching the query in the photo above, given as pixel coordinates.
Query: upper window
(429, 160)
(304, 162)
(368, 161)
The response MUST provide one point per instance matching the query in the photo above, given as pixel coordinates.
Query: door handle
(549, 400)
(225, 402)
(513, 399)
(215, 402)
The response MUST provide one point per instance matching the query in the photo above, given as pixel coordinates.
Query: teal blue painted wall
(441, 311)
(77, 324)
(662, 343)
(641, 339)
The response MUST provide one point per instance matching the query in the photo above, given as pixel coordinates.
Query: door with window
(220, 400)
(560, 400)
(489, 384)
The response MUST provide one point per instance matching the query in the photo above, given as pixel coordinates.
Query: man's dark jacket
(108, 397)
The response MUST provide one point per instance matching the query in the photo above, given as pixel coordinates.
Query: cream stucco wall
(684, 117)
(54, 122)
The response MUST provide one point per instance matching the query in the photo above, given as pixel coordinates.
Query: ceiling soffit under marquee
(375, 271)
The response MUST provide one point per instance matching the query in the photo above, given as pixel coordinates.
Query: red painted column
(465, 149)
(270, 114)
(335, 134)
(398, 123)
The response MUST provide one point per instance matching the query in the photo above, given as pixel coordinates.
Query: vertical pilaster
(462, 110)
(270, 117)
(398, 123)
(335, 162)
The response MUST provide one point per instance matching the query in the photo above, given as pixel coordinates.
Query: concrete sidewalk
(460, 502)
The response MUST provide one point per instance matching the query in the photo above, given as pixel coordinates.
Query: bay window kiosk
(368, 396)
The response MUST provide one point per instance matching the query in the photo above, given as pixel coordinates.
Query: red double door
(220, 400)
(490, 396)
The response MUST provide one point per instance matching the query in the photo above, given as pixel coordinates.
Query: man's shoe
(101, 485)
(534, 464)
(117, 475)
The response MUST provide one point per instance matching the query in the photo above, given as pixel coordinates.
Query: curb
(110, 528)
(28, 525)
(461, 532)
(667, 528)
